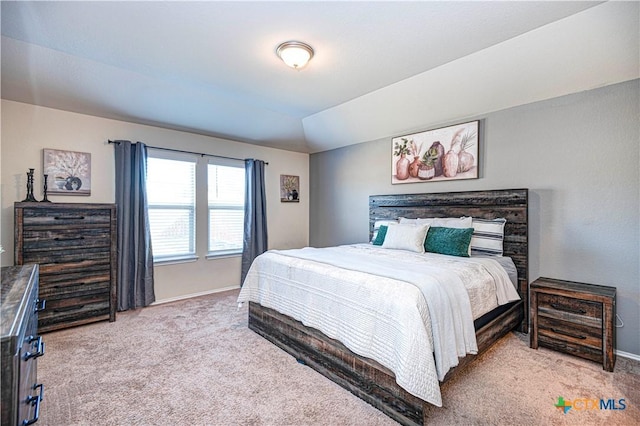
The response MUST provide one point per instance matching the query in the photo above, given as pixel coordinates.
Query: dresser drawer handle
(568, 309)
(68, 217)
(68, 308)
(34, 400)
(68, 239)
(40, 305)
(39, 348)
(568, 334)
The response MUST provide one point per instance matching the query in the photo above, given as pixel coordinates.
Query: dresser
(575, 318)
(75, 246)
(21, 345)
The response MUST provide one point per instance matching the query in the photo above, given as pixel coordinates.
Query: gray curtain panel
(135, 258)
(255, 215)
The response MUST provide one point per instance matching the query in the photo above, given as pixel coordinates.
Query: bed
(366, 377)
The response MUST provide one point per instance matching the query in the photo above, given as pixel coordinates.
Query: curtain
(255, 215)
(135, 258)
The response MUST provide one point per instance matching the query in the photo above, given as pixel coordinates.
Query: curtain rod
(189, 152)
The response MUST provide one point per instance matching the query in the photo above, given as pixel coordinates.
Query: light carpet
(195, 362)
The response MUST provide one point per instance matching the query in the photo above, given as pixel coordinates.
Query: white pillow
(406, 237)
(446, 222)
(488, 237)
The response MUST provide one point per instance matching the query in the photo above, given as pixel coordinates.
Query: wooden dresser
(75, 245)
(574, 318)
(21, 345)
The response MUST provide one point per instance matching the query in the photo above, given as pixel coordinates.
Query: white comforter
(359, 295)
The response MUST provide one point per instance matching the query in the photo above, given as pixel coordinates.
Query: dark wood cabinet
(75, 246)
(574, 318)
(21, 345)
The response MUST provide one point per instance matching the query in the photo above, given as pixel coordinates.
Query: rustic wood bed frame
(368, 379)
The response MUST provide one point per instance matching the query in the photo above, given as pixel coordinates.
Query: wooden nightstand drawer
(570, 309)
(575, 318)
(576, 334)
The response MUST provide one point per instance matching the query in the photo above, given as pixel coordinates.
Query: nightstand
(575, 318)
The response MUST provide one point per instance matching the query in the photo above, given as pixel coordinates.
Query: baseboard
(628, 355)
(189, 296)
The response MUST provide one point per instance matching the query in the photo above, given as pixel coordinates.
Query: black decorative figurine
(30, 196)
(45, 199)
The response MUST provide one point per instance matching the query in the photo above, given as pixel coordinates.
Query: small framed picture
(68, 172)
(289, 189)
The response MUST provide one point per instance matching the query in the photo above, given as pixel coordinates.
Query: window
(171, 193)
(226, 208)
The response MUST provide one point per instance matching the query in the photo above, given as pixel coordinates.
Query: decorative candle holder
(45, 199)
(30, 196)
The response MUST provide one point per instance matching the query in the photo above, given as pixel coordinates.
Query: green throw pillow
(451, 241)
(382, 232)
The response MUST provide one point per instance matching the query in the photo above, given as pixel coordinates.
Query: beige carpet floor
(195, 362)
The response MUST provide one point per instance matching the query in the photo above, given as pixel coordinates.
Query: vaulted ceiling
(380, 68)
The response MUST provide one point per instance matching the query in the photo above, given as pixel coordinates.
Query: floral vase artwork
(414, 166)
(402, 165)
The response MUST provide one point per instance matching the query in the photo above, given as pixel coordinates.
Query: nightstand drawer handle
(568, 334)
(568, 309)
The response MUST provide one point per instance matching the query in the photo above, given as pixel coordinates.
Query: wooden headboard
(511, 204)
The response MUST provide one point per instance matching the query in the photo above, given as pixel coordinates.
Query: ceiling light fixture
(295, 53)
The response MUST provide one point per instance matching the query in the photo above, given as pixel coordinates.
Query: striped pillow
(488, 237)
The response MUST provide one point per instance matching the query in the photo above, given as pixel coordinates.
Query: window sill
(223, 254)
(175, 260)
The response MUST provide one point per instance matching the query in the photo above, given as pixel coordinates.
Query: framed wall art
(68, 172)
(447, 153)
(289, 189)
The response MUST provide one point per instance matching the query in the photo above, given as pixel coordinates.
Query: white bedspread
(359, 295)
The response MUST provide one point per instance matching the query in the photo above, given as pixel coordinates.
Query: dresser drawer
(56, 216)
(68, 257)
(74, 311)
(79, 277)
(65, 239)
(82, 265)
(70, 289)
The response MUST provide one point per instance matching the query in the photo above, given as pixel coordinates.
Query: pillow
(451, 241)
(379, 235)
(447, 222)
(406, 237)
(488, 237)
(376, 226)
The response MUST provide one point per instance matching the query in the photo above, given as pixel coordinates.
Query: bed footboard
(365, 378)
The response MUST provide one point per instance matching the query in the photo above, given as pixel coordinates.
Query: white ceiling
(211, 68)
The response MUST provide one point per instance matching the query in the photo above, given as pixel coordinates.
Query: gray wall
(577, 154)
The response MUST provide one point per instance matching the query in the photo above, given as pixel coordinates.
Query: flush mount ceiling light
(296, 54)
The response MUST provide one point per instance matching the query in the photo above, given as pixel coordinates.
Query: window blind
(171, 197)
